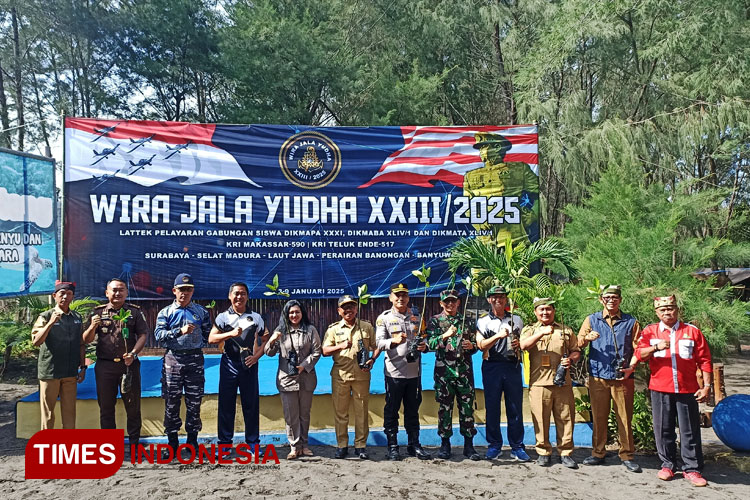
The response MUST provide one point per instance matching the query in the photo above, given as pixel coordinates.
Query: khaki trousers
(558, 402)
(358, 392)
(296, 406)
(67, 389)
(604, 394)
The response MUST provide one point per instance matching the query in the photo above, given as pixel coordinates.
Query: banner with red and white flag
(327, 209)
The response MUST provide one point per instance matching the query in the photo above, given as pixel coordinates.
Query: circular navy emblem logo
(310, 160)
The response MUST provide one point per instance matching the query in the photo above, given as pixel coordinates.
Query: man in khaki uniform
(550, 345)
(613, 337)
(349, 381)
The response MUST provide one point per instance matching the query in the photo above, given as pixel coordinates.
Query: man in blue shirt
(243, 334)
(182, 328)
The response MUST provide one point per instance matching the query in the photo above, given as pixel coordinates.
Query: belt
(185, 352)
(115, 360)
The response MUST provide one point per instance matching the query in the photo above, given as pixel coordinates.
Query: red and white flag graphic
(446, 153)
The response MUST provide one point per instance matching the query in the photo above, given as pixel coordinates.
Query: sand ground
(321, 476)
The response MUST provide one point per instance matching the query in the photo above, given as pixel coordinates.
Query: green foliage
(122, 315)
(362, 296)
(643, 424)
(84, 306)
(637, 237)
(274, 288)
(510, 266)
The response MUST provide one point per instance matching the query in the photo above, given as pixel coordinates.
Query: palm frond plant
(511, 265)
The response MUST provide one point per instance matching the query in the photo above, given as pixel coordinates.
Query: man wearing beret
(395, 329)
(182, 328)
(498, 336)
(551, 345)
(612, 337)
(58, 332)
(119, 343)
(350, 341)
(453, 341)
(675, 351)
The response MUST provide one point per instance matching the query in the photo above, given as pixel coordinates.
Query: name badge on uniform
(546, 361)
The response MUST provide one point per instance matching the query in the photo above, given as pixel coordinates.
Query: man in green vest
(58, 333)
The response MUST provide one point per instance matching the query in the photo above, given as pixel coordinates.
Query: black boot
(192, 440)
(469, 451)
(173, 443)
(393, 448)
(414, 449)
(445, 449)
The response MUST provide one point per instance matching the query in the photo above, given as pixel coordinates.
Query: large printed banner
(28, 237)
(326, 208)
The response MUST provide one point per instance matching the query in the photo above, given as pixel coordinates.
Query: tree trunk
(18, 76)
(4, 119)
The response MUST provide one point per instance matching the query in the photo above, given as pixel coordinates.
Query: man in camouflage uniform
(182, 328)
(395, 330)
(119, 343)
(453, 340)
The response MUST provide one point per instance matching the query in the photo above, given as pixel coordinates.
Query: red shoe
(665, 474)
(695, 478)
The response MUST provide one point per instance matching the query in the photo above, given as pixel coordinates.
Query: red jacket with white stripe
(674, 370)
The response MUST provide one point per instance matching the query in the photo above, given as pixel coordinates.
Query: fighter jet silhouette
(105, 153)
(103, 178)
(177, 149)
(141, 164)
(104, 131)
(140, 142)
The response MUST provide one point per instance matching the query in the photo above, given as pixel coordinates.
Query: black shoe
(544, 460)
(568, 462)
(342, 452)
(592, 460)
(393, 453)
(173, 443)
(631, 466)
(445, 449)
(192, 440)
(361, 453)
(469, 451)
(416, 450)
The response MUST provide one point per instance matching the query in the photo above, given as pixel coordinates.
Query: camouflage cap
(496, 290)
(449, 294)
(347, 299)
(543, 301)
(491, 140)
(399, 287)
(610, 290)
(669, 300)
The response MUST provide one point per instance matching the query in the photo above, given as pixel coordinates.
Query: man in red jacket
(675, 351)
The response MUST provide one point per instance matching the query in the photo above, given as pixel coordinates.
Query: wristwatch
(134, 354)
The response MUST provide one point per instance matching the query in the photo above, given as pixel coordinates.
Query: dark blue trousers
(503, 378)
(232, 377)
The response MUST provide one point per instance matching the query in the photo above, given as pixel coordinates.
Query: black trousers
(683, 408)
(408, 391)
(108, 375)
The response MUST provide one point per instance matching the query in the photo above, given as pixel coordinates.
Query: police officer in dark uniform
(182, 328)
(119, 342)
(242, 335)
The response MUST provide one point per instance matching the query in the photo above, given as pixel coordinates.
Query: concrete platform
(271, 416)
